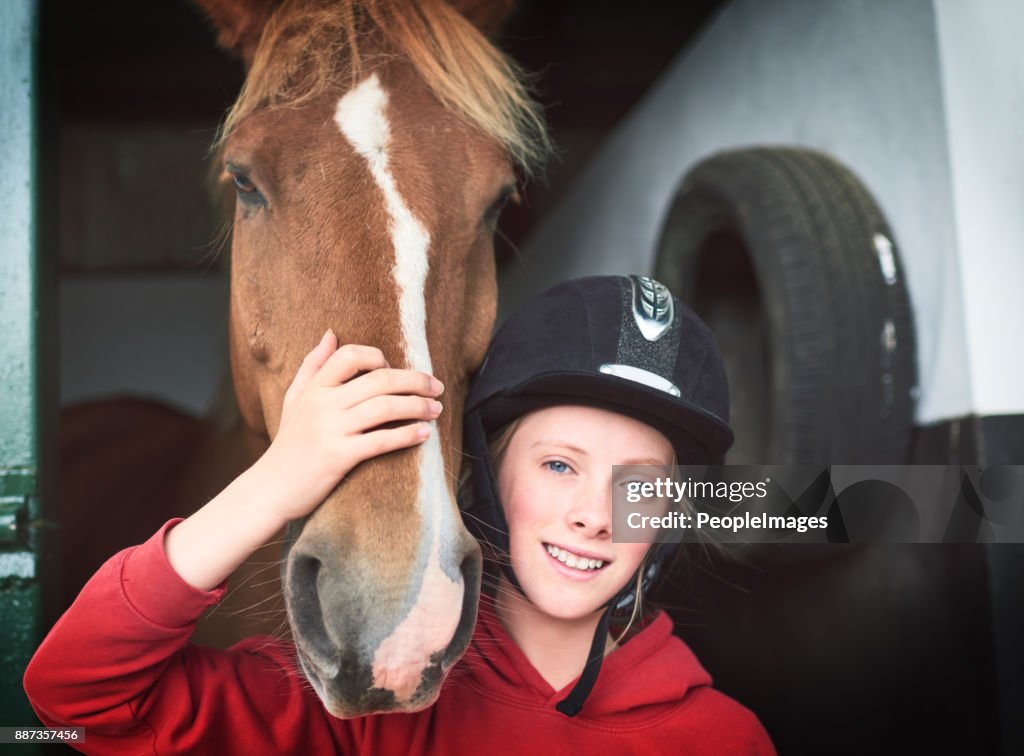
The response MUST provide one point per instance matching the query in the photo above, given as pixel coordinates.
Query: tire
(787, 257)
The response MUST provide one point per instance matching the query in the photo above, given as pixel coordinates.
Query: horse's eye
(248, 194)
(242, 183)
(494, 211)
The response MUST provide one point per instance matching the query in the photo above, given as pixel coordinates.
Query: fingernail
(435, 407)
(436, 385)
(423, 431)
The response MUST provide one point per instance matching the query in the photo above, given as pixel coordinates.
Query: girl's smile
(577, 565)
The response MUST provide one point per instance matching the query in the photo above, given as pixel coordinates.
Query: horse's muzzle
(368, 646)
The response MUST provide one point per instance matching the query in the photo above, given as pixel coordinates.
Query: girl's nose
(591, 513)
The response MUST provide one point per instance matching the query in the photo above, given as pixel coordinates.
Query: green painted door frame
(28, 396)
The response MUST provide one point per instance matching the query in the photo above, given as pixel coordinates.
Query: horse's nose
(307, 613)
(357, 624)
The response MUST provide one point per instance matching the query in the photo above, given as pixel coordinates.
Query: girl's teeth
(572, 560)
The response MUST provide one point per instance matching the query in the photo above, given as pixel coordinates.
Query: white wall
(982, 63)
(861, 80)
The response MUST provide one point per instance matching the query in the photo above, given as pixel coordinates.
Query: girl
(595, 372)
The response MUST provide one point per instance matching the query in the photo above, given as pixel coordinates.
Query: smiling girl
(594, 373)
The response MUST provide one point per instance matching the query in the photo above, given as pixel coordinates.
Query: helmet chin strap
(573, 703)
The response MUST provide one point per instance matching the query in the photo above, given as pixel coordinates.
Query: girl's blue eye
(557, 466)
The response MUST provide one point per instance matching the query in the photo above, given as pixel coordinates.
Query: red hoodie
(119, 663)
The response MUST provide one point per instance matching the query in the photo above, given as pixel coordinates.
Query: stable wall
(922, 100)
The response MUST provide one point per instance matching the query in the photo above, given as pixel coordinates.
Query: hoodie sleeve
(119, 664)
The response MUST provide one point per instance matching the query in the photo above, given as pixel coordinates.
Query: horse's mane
(307, 47)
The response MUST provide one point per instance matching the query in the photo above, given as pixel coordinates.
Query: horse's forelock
(310, 46)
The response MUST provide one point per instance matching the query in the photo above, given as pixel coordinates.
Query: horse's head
(372, 148)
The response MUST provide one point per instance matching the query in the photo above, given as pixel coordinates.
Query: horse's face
(370, 211)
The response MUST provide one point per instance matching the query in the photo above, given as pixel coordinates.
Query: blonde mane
(307, 47)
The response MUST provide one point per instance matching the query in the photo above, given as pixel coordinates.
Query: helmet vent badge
(652, 307)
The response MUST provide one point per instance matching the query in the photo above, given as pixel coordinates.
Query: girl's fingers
(378, 410)
(347, 361)
(386, 440)
(388, 381)
(312, 363)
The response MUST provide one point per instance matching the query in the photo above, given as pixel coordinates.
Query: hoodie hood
(640, 681)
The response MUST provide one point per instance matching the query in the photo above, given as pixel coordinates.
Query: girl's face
(555, 481)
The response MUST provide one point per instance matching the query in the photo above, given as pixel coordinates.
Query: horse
(370, 151)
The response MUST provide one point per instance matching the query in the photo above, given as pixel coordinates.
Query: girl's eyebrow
(560, 444)
(648, 461)
(553, 442)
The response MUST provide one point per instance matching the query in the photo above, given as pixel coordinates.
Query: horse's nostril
(471, 568)
(307, 612)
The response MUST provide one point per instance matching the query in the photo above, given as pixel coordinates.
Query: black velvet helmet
(624, 344)
(619, 343)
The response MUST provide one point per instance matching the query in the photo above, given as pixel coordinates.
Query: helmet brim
(697, 436)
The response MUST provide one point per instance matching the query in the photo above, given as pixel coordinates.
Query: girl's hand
(327, 428)
(329, 421)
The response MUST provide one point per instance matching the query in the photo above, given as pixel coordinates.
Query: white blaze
(362, 117)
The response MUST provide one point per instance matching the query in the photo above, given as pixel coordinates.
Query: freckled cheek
(630, 555)
(526, 509)
(524, 512)
(518, 528)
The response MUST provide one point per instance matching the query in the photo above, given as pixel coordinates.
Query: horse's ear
(239, 23)
(486, 15)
